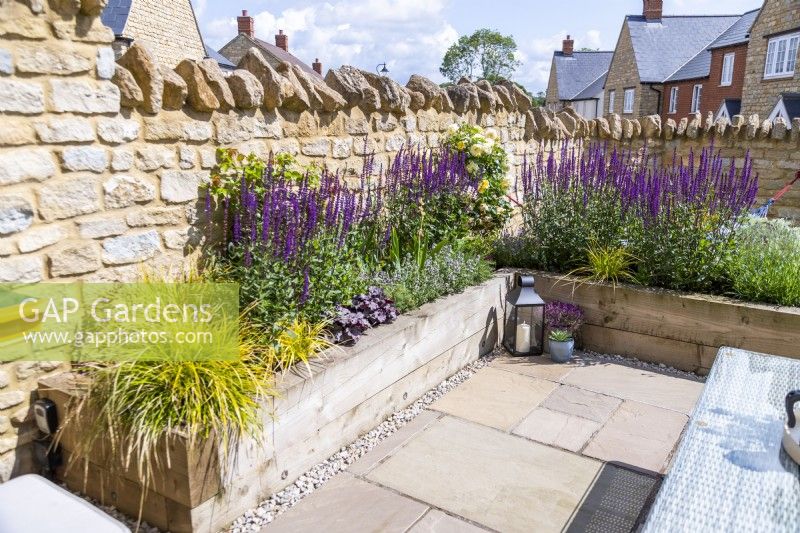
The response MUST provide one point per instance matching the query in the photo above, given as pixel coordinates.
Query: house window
(782, 56)
(697, 94)
(727, 69)
(673, 100)
(628, 103)
(611, 96)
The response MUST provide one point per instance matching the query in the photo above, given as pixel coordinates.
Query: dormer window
(782, 56)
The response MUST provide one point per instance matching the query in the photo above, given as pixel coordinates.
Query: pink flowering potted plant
(563, 321)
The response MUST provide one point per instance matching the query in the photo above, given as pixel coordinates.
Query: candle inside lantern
(523, 342)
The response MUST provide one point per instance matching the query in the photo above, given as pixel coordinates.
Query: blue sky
(412, 35)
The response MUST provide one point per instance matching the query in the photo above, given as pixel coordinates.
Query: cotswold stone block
(200, 95)
(77, 196)
(64, 130)
(394, 97)
(186, 155)
(752, 126)
(25, 269)
(74, 260)
(175, 90)
(435, 97)
(295, 97)
(276, 87)
(80, 96)
(179, 186)
(131, 248)
(176, 239)
(16, 21)
(142, 66)
(117, 130)
(170, 130)
(123, 191)
(105, 64)
(651, 126)
(102, 227)
(322, 97)
(21, 97)
(130, 93)
(84, 158)
(395, 142)
(351, 84)
(155, 157)
(15, 132)
(343, 148)
(40, 237)
(6, 62)
(16, 214)
(5, 380)
(87, 30)
(157, 216)
(121, 160)
(317, 147)
(21, 165)
(11, 398)
(216, 81)
(52, 60)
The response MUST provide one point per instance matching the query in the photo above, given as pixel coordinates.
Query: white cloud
(411, 36)
(537, 55)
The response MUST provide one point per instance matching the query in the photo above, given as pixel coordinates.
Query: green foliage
(297, 342)
(607, 264)
(765, 263)
(486, 160)
(485, 53)
(560, 335)
(449, 271)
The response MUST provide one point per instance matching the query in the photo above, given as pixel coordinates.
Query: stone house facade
(777, 25)
(713, 80)
(275, 54)
(169, 29)
(650, 49)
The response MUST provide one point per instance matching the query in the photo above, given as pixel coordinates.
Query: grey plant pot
(561, 352)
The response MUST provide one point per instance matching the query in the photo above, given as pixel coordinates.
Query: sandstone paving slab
(436, 521)
(491, 478)
(581, 402)
(346, 504)
(669, 392)
(639, 435)
(495, 398)
(557, 429)
(535, 366)
(393, 442)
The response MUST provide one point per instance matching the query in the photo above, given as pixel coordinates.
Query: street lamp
(381, 69)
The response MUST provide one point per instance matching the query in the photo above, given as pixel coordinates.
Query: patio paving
(523, 445)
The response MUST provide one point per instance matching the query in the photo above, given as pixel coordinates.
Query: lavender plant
(677, 220)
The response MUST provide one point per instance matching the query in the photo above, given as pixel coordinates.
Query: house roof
(662, 48)
(700, 65)
(115, 15)
(279, 55)
(223, 61)
(579, 73)
(593, 89)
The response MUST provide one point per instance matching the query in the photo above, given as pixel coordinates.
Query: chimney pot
(317, 66)
(282, 41)
(653, 10)
(568, 46)
(246, 24)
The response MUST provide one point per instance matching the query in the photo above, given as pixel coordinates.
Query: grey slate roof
(663, 48)
(282, 55)
(577, 73)
(223, 61)
(700, 65)
(738, 33)
(115, 15)
(593, 89)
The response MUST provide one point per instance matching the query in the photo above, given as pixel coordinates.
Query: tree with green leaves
(486, 54)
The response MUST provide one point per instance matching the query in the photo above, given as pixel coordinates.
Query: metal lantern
(524, 319)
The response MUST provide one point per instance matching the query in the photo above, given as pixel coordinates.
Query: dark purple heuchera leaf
(367, 310)
(563, 315)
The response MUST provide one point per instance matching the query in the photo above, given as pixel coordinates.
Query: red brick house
(713, 80)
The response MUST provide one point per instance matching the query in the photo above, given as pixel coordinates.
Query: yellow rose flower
(460, 145)
(483, 185)
(476, 150)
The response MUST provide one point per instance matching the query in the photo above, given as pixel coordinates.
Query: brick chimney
(653, 10)
(282, 41)
(317, 66)
(568, 46)
(247, 25)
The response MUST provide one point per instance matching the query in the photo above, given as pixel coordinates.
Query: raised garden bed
(678, 329)
(347, 394)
